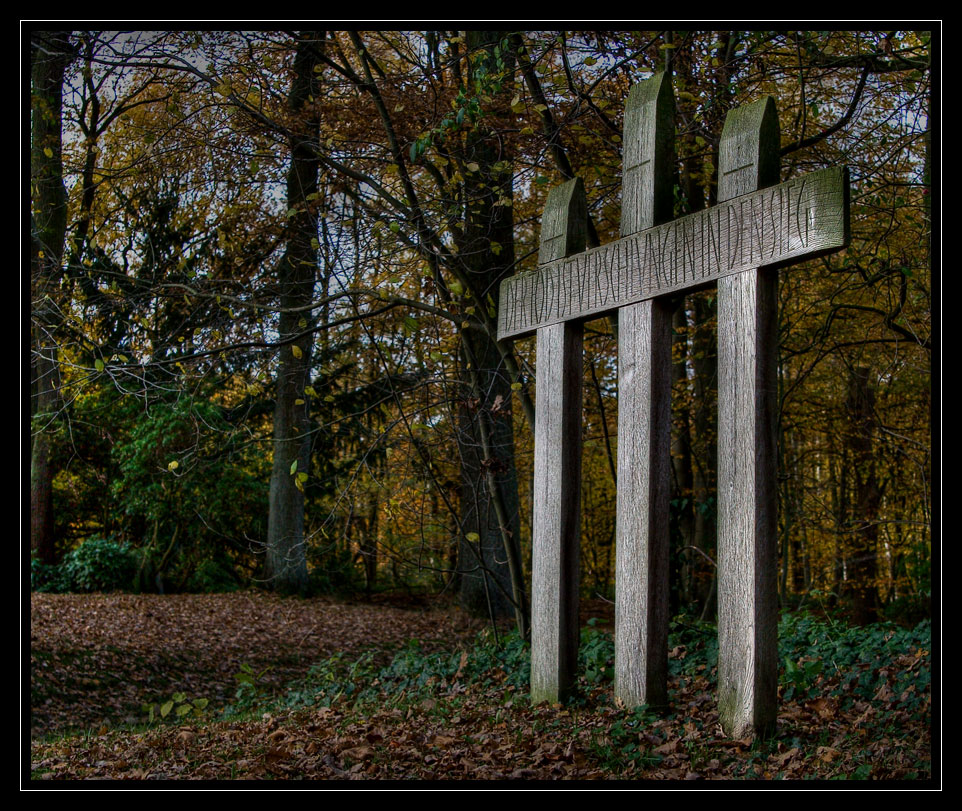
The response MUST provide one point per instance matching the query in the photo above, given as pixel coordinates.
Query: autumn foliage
(264, 272)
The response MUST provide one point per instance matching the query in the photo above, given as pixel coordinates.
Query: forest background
(264, 273)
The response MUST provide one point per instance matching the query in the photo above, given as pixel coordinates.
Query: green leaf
(178, 697)
(165, 708)
(310, 390)
(293, 471)
(99, 365)
(473, 537)
(302, 477)
(183, 709)
(200, 703)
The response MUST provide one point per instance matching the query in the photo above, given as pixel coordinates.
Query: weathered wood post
(556, 541)
(748, 160)
(644, 413)
(757, 225)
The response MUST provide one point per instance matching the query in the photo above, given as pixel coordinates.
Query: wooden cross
(757, 226)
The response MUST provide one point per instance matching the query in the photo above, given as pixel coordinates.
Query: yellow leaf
(296, 351)
(298, 401)
(473, 537)
(173, 465)
(48, 151)
(472, 167)
(516, 386)
(310, 390)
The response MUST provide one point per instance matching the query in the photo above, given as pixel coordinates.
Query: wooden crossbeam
(757, 226)
(800, 219)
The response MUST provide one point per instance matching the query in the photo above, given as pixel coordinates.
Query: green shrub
(99, 564)
(596, 654)
(47, 578)
(213, 577)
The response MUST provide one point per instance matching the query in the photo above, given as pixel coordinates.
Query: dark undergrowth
(855, 703)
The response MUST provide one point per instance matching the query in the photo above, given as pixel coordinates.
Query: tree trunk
(286, 560)
(705, 450)
(51, 53)
(684, 563)
(490, 566)
(862, 570)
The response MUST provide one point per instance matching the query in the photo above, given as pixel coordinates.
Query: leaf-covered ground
(251, 686)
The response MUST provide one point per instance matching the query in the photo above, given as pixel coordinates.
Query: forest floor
(252, 686)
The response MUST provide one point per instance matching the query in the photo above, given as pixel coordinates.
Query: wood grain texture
(556, 541)
(649, 155)
(556, 520)
(644, 441)
(564, 224)
(801, 218)
(747, 556)
(644, 415)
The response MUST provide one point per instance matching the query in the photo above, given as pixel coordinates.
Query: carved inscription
(800, 217)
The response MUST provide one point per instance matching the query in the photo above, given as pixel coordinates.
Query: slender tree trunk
(861, 587)
(286, 560)
(51, 54)
(684, 563)
(491, 579)
(705, 449)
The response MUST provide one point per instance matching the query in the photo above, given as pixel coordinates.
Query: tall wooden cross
(758, 225)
